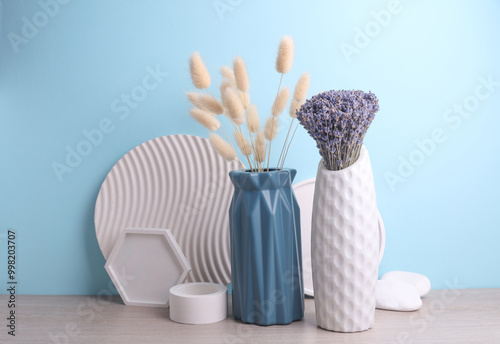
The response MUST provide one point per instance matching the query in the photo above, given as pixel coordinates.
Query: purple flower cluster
(338, 121)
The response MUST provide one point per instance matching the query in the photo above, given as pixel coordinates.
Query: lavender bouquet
(338, 121)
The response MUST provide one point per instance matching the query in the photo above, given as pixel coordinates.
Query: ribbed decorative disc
(174, 182)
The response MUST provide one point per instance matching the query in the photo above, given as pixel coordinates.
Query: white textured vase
(345, 247)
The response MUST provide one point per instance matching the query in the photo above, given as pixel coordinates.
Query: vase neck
(271, 180)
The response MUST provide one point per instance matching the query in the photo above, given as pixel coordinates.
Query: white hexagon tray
(144, 264)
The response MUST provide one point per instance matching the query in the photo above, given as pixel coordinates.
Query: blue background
(442, 221)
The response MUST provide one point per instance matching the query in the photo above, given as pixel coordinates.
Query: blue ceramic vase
(266, 254)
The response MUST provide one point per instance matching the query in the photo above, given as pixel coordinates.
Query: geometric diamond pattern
(345, 247)
(266, 259)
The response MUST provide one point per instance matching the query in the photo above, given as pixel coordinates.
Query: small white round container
(198, 303)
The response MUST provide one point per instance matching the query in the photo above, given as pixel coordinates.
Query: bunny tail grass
(228, 73)
(294, 106)
(209, 103)
(260, 147)
(193, 98)
(271, 128)
(199, 73)
(241, 75)
(233, 106)
(280, 101)
(243, 144)
(205, 118)
(224, 149)
(300, 92)
(245, 99)
(284, 60)
(253, 120)
(225, 83)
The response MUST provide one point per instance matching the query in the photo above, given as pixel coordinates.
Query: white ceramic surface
(177, 182)
(198, 303)
(420, 282)
(304, 191)
(397, 296)
(345, 247)
(145, 264)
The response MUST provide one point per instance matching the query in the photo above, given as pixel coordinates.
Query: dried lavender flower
(338, 121)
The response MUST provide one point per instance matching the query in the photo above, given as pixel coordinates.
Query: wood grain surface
(447, 316)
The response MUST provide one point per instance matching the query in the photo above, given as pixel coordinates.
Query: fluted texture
(177, 182)
(345, 247)
(266, 259)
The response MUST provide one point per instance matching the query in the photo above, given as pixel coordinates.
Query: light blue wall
(443, 220)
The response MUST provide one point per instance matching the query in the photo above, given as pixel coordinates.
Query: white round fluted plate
(177, 182)
(304, 192)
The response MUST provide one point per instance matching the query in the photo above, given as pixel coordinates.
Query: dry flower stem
(272, 128)
(222, 126)
(338, 122)
(289, 144)
(286, 139)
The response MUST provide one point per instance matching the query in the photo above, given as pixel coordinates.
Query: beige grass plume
(280, 101)
(241, 75)
(222, 147)
(193, 98)
(271, 128)
(199, 73)
(260, 147)
(294, 106)
(205, 118)
(284, 60)
(209, 103)
(228, 73)
(300, 92)
(245, 99)
(233, 106)
(225, 83)
(243, 143)
(253, 120)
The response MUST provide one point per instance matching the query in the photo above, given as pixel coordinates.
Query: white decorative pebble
(397, 296)
(420, 282)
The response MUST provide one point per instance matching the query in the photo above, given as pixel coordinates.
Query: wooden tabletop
(447, 316)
